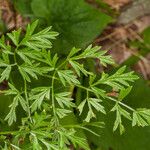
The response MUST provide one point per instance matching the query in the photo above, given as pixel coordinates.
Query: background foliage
(77, 22)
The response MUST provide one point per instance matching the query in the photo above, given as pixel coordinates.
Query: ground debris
(137, 8)
(10, 17)
(117, 4)
(116, 38)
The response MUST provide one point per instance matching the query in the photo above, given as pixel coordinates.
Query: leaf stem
(119, 102)
(53, 101)
(62, 64)
(27, 100)
(85, 88)
(49, 76)
(13, 132)
(15, 59)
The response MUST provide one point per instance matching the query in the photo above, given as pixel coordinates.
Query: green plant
(77, 22)
(45, 105)
(138, 97)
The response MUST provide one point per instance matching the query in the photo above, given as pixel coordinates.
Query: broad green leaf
(23, 6)
(77, 22)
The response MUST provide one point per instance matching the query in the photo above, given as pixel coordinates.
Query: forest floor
(132, 20)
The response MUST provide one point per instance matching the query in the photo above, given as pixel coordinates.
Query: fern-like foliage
(46, 106)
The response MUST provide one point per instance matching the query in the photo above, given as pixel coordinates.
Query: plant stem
(119, 102)
(50, 77)
(82, 87)
(13, 132)
(15, 59)
(27, 100)
(53, 100)
(62, 64)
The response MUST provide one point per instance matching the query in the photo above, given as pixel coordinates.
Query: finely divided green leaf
(64, 99)
(67, 76)
(5, 74)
